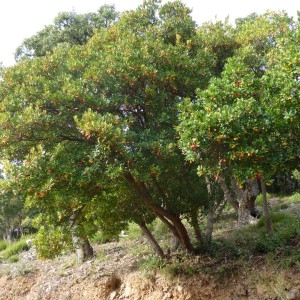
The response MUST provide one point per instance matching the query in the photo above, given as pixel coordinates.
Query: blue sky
(20, 19)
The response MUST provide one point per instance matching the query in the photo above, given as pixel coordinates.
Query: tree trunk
(209, 226)
(173, 222)
(82, 248)
(227, 194)
(210, 214)
(268, 222)
(171, 219)
(196, 227)
(153, 242)
(242, 198)
(81, 243)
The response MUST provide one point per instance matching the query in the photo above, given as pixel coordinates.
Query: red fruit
(194, 147)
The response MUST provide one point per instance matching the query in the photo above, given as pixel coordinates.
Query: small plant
(13, 259)
(14, 249)
(177, 268)
(153, 263)
(3, 245)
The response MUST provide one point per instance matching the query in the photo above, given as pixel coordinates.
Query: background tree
(69, 28)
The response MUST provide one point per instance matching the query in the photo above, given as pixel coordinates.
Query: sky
(21, 19)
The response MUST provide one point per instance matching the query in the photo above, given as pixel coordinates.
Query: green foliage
(13, 259)
(259, 199)
(69, 28)
(113, 131)
(133, 231)
(296, 174)
(234, 124)
(276, 217)
(51, 241)
(101, 238)
(14, 248)
(3, 245)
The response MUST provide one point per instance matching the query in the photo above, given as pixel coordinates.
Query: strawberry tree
(94, 125)
(230, 130)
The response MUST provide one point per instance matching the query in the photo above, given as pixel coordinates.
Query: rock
(241, 290)
(293, 294)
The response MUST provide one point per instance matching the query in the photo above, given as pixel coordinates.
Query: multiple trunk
(153, 242)
(169, 218)
(242, 200)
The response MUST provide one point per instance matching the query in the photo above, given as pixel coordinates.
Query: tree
(69, 28)
(112, 102)
(12, 211)
(229, 130)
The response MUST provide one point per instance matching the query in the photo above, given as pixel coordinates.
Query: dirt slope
(114, 275)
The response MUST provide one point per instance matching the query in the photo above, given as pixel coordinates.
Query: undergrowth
(11, 250)
(236, 250)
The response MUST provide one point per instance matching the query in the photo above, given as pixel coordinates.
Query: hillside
(125, 269)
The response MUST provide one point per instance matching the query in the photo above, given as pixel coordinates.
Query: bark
(209, 226)
(242, 196)
(210, 214)
(196, 227)
(153, 242)
(82, 248)
(172, 220)
(228, 195)
(182, 234)
(81, 243)
(268, 222)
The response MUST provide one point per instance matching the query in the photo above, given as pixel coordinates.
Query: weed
(153, 263)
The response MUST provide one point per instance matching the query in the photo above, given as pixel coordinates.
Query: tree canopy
(110, 126)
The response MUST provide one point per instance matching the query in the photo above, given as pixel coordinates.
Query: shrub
(52, 241)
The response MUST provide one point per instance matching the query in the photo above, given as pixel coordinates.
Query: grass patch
(295, 198)
(3, 245)
(133, 231)
(13, 259)
(14, 249)
(259, 199)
